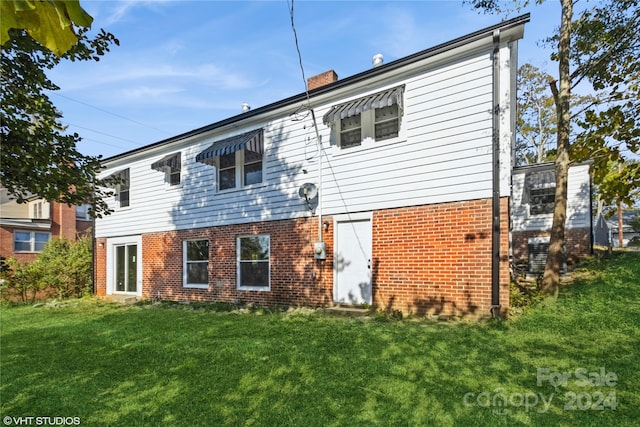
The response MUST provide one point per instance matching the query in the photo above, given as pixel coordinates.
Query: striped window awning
(120, 177)
(171, 162)
(250, 141)
(382, 99)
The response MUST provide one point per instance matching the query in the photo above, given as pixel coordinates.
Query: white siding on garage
(578, 203)
(443, 154)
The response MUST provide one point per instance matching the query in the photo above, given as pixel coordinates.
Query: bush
(63, 268)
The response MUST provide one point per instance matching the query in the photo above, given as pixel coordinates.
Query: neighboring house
(532, 204)
(405, 207)
(26, 227)
(606, 231)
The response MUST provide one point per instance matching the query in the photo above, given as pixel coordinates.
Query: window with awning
(120, 181)
(250, 141)
(375, 116)
(171, 166)
(237, 158)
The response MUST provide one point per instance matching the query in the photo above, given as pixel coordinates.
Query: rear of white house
(396, 195)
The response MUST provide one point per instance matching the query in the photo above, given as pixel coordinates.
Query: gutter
(495, 200)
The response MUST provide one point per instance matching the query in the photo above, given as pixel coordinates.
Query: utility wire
(110, 113)
(105, 134)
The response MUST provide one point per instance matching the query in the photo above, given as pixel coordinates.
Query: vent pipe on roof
(245, 107)
(377, 60)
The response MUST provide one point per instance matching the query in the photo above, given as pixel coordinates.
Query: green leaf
(50, 22)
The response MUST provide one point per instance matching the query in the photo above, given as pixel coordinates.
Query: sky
(182, 65)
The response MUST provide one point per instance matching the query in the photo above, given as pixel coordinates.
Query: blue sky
(185, 64)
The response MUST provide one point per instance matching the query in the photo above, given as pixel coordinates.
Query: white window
(30, 241)
(171, 166)
(373, 118)
(542, 200)
(239, 169)
(540, 192)
(254, 262)
(378, 124)
(195, 264)
(122, 193)
(120, 182)
(82, 213)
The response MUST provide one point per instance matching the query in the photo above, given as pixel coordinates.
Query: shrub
(63, 268)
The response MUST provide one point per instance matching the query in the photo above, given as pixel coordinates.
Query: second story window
(540, 192)
(238, 160)
(120, 182)
(171, 165)
(375, 117)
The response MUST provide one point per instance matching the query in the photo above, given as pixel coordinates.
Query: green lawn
(161, 365)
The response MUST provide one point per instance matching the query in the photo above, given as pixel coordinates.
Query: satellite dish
(308, 191)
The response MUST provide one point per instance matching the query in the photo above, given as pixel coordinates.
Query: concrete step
(121, 299)
(348, 310)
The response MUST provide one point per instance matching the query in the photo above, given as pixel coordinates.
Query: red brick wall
(433, 259)
(577, 243)
(296, 278)
(63, 221)
(100, 266)
(6, 246)
(436, 259)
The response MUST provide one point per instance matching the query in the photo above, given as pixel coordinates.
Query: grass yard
(161, 365)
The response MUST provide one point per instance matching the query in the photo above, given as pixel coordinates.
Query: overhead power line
(111, 113)
(105, 134)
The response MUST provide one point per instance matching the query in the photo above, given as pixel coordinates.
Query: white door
(124, 265)
(352, 262)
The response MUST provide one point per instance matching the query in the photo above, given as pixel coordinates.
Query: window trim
(32, 241)
(185, 262)
(239, 286)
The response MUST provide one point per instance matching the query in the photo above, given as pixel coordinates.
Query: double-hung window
(120, 182)
(195, 263)
(540, 192)
(374, 118)
(30, 241)
(254, 262)
(171, 166)
(238, 159)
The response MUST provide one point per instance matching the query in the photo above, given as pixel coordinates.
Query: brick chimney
(321, 79)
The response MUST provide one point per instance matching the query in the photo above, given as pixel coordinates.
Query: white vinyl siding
(578, 204)
(442, 154)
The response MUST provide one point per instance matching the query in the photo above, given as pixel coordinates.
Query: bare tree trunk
(620, 225)
(555, 258)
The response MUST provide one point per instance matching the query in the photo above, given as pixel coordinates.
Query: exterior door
(126, 268)
(352, 263)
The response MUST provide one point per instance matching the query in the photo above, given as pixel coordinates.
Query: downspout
(495, 205)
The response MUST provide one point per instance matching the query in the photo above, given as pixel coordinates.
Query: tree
(602, 45)
(536, 121)
(49, 22)
(37, 157)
